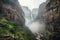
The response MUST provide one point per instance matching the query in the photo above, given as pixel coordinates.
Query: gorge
(29, 19)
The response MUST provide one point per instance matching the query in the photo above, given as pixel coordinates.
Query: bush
(13, 30)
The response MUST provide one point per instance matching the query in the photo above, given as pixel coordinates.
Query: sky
(31, 3)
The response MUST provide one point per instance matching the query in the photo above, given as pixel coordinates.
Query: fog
(37, 27)
(31, 3)
(34, 26)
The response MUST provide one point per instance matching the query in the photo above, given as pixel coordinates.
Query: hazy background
(31, 3)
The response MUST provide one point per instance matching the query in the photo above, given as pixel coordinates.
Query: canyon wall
(12, 22)
(12, 9)
(53, 19)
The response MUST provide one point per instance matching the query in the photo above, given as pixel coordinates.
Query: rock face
(27, 15)
(13, 24)
(34, 13)
(27, 12)
(30, 14)
(41, 11)
(12, 9)
(53, 19)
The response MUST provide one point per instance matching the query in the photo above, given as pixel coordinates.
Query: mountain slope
(12, 22)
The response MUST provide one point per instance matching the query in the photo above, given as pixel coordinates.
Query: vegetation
(12, 31)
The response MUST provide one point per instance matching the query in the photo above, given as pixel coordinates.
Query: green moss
(11, 28)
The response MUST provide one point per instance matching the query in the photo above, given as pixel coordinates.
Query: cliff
(41, 12)
(27, 12)
(52, 20)
(12, 22)
(34, 13)
(12, 9)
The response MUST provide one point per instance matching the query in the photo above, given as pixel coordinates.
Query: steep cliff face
(42, 11)
(53, 20)
(27, 12)
(27, 15)
(12, 22)
(53, 12)
(12, 9)
(34, 13)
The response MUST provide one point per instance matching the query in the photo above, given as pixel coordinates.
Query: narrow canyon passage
(32, 11)
(29, 19)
